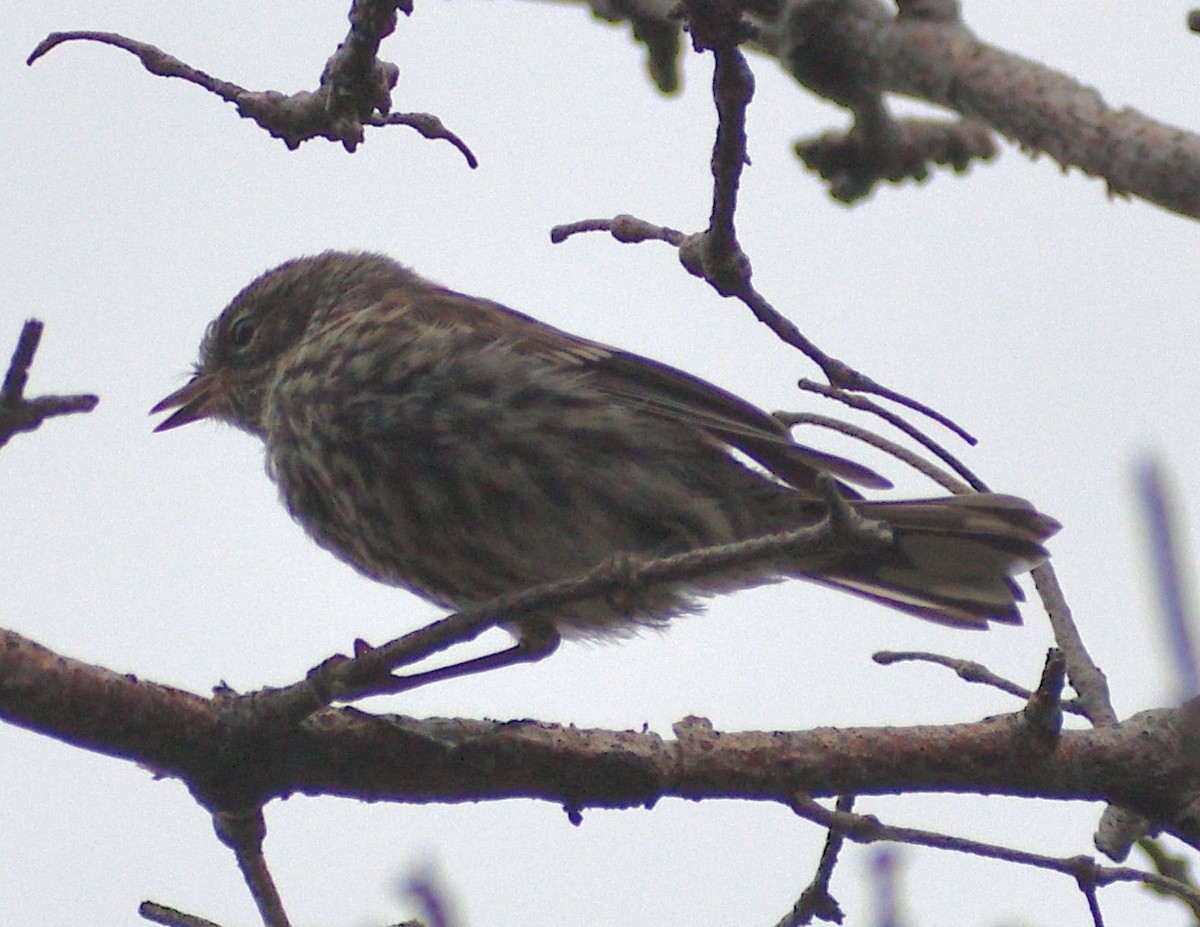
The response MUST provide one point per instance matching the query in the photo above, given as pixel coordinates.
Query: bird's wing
(660, 390)
(671, 393)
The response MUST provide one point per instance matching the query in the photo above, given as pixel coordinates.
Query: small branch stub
(19, 414)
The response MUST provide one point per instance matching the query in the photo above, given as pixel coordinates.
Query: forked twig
(967, 671)
(1087, 873)
(864, 404)
(354, 91)
(18, 413)
(816, 901)
(715, 254)
(901, 453)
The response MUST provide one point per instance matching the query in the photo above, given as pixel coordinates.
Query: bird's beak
(202, 397)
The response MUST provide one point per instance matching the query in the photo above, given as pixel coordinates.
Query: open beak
(202, 397)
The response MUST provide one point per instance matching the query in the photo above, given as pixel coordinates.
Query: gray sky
(1056, 324)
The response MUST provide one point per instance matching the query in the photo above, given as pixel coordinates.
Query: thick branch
(346, 752)
(864, 50)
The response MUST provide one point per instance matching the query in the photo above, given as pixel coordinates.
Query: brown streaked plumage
(454, 447)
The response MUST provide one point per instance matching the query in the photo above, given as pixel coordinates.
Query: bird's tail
(954, 558)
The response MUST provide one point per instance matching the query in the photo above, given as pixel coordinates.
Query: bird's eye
(241, 333)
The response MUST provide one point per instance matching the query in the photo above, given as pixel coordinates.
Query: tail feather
(954, 559)
(960, 612)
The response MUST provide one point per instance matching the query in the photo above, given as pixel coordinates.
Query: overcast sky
(1055, 323)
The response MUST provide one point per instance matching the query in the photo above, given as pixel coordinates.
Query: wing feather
(658, 389)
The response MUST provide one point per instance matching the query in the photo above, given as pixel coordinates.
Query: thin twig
(715, 254)
(815, 901)
(1087, 873)
(968, 671)
(863, 404)
(367, 674)
(624, 228)
(1087, 679)
(243, 832)
(431, 127)
(1093, 903)
(354, 92)
(13, 390)
(161, 914)
(920, 464)
(19, 414)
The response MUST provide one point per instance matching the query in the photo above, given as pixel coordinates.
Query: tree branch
(853, 52)
(1088, 874)
(228, 766)
(354, 91)
(19, 414)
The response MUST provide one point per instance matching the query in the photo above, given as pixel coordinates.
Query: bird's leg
(534, 643)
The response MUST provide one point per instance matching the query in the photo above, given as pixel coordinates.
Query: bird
(459, 449)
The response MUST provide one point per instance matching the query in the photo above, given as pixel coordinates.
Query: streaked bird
(451, 446)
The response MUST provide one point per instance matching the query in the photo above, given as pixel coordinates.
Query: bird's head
(245, 345)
